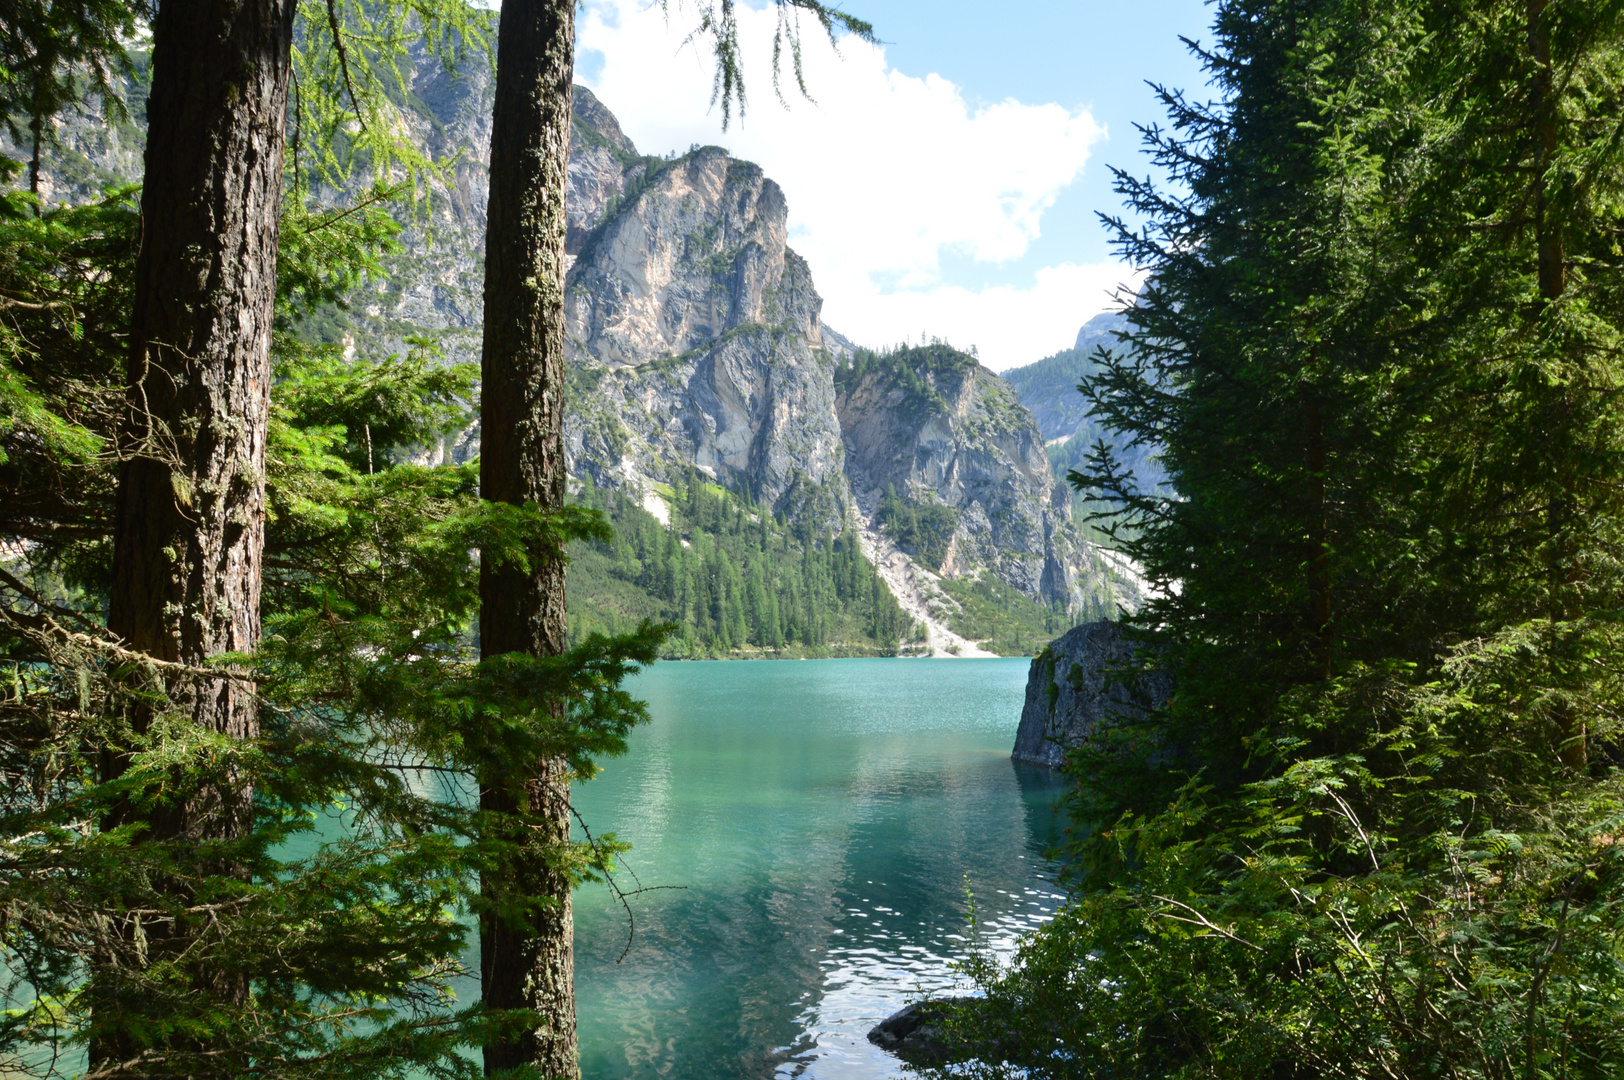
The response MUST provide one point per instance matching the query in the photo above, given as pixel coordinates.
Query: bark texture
(528, 966)
(189, 526)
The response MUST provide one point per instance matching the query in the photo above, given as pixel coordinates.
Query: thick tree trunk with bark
(190, 520)
(1551, 258)
(532, 966)
(191, 506)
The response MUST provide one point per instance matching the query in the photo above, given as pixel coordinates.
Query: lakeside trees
(180, 897)
(1374, 833)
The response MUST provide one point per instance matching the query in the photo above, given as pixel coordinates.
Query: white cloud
(884, 173)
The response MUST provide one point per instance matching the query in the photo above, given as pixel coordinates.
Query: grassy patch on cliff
(923, 530)
(1002, 619)
(920, 372)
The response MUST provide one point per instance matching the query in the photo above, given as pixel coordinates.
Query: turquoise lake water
(821, 818)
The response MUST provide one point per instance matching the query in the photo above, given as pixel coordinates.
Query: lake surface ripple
(821, 819)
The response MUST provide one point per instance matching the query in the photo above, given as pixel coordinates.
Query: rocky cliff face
(1071, 688)
(934, 426)
(694, 332)
(695, 339)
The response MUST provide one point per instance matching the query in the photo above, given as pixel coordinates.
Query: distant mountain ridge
(1049, 389)
(696, 342)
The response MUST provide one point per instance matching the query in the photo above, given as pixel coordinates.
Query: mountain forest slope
(696, 348)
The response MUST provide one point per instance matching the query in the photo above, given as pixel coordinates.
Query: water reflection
(822, 819)
(1041, 790)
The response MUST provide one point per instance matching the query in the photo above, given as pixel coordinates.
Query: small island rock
(1071, 688)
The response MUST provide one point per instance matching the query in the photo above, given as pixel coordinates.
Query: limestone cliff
(696, 341)
(694, 338)
(934, 426)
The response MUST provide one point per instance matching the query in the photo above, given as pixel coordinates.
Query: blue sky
(943, 183)
(1088, 53)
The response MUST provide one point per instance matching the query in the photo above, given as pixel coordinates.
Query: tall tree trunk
(1551, 259)
(42, 107)
(190, 520)
(1319, 559)
(36, 128)
(531, 966)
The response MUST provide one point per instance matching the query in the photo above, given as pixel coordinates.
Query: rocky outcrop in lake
(1074, 684)
(917, 1032)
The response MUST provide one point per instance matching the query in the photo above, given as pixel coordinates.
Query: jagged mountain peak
(697, 250)
(696, 341)
(931, 426)
(1101, 330)
(592, 122)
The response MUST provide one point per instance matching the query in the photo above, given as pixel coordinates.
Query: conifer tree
(1371, 833)
(189, 529)
(51, 54)
(154, 912)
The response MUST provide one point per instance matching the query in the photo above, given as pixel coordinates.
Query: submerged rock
(1073, 686)
(915, 1033)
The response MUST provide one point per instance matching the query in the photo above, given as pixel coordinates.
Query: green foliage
(57, 55)
(1048, 388)
(327, 252)
(397, 402)
(352, 103)
(732, 578)
(922, 529)
(65, 280)
(1001, 619)
(1375, 831)
(919, 371)
(343, 898)
(720, 24)
(1073, 455)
